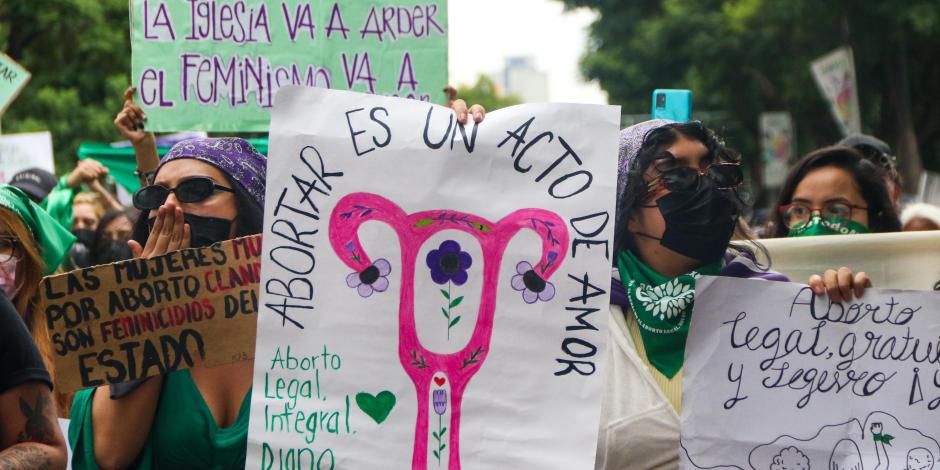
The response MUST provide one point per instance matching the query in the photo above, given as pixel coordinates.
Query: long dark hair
(882, 217)
(248, 222)
(653, 143)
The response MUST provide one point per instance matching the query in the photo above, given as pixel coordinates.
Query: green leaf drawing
(456, 302)
(445, 294)
(436, 438)
(424, 222)
(443, 431)
(437, 456)
(444, 311)
(443, 446)
(454, 321)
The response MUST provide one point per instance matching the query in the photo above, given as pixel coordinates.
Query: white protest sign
(904, 260)
(777, 378)
(433, 295)
(21, 151)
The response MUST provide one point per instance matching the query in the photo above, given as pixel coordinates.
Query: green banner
(13, 78)
(216, 65)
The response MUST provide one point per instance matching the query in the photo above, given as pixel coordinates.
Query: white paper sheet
(904, 260)
(391, 344)
(776, 378)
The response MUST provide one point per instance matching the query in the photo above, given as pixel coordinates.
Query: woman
(834, 190)
(677, 207)
(204, 191)
(32, 245)
(920, 216)
(111, 237)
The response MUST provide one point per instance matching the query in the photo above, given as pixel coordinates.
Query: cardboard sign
(143, 317)
(19, 152)
(433, 294)
(215, 65)
(778, 378)
(13, 78)
(902, 260)
(835, 76)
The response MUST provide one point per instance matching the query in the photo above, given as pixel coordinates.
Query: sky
(484, 32)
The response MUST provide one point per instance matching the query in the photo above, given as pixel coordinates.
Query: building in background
(522, 79)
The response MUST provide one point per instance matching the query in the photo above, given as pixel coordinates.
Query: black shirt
(20, 361)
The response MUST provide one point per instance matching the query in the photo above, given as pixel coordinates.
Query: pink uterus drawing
(413, 231)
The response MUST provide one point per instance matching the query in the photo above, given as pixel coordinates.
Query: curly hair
(653, 143)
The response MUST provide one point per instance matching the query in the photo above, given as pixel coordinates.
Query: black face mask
(203, 231)
(85, 236)
(110, 251)
(699, 223)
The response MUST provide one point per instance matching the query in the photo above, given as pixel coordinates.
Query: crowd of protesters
(680, 213)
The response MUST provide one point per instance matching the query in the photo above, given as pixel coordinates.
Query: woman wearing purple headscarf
(204, 191)
(677, 207)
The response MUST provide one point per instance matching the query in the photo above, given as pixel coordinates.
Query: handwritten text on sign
(13, 78)
(144, 317)
(425, 283)
(195, 57)
(802, 377)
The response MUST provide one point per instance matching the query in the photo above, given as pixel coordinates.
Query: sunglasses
(674, 177)
(194, 189)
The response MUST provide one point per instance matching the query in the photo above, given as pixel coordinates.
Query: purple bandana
(234, 156)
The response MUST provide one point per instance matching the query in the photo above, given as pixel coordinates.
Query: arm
(110, 202)
(30, 437)
(130, 123)
(119, 425)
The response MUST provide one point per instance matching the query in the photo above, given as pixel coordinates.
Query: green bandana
(54, 239)
(662, 307)
(827, 226)
(886, 438)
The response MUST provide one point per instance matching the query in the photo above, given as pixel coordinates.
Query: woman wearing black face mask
(677, 207)
(204, 191)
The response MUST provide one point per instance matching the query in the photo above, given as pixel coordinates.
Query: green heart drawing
(377, 407)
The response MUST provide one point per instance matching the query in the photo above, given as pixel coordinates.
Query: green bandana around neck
(662, 307)
(827, 226)
(53, 239)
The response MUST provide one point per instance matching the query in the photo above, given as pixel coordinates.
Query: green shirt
(184, 433)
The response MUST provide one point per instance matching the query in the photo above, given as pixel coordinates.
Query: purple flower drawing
(372, 279)
(449, 264)
(439, 398)
(532, 286)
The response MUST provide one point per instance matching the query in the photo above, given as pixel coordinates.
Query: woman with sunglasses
(677, 207)
(204, 191)
(832, 191)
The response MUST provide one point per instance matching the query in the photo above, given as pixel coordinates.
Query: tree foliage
(78, 52)
(744, 57)
(486, 92)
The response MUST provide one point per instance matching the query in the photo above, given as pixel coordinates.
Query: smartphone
(675, 105)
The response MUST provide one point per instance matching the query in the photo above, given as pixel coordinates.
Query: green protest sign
(215, 65)
(13, 78)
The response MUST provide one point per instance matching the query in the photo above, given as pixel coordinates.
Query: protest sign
(19, 152)
(433, 294)
(778, 378)
(778, 146)
(835, 76)
(13, 78)
(143, 317)
(215, 65)
(904, 260)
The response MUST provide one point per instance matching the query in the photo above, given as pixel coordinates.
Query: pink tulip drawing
(448, 264)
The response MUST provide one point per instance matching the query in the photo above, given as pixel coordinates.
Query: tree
(485, 92)
(744, 57)
(78, 52)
